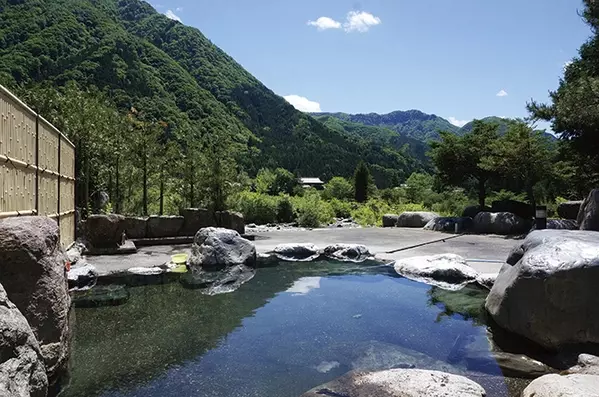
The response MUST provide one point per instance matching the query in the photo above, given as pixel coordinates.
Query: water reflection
(291, 328)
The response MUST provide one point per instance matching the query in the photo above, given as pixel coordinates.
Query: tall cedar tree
(361, 181)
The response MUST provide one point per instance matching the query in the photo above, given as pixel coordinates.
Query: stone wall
(186, 225)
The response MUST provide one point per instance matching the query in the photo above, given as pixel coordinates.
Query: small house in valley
(311, 182)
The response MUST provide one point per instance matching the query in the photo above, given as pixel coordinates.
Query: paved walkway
(485, 253)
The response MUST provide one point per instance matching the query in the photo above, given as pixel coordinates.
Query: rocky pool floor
(291, 328)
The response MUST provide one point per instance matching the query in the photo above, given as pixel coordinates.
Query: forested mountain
(172, 73)
(383, 136)
(411, 123)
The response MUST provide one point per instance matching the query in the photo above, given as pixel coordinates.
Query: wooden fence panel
(66, 209)
(37, 167)
(17, 155)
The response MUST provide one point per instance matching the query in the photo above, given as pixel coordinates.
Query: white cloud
(502, 93)
(303, 104)
(171, 15)
(324, 23)
(360, 21)
(179, 9)
(354, 22)
(458, 123)
(304, 285)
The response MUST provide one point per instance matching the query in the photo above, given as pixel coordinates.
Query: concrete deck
(486, 254)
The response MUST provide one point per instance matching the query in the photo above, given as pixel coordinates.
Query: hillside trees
(522, 155)
(520, 159)
(460, 159)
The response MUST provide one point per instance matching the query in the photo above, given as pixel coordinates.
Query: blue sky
(459, 59)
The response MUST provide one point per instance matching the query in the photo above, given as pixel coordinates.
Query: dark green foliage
(284, 182)
(361, 181)
(285, 211)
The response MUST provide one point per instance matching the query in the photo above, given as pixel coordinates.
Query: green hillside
(173, 73)
(381, 135)
(412, 123)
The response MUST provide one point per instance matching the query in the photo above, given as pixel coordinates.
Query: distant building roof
(311, 181)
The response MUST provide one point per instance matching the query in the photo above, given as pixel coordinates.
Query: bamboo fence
(37, 167)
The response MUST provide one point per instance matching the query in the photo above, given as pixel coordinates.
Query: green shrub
(285, 213)
(256, 207)
(419, 186)
(338, 188)
(341, 209)
(396, 195)
(311, 210)
(398, 209)
(371, 213)
(450, 203)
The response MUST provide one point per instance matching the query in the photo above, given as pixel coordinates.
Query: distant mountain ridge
(413, 127)
(410, 123)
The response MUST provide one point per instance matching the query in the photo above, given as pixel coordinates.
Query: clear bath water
(289, 329)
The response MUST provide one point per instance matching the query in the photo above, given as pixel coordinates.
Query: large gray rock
(415, 219)
(32, 270)
(399, 383)
(587, 365)
(135, 227)
(390, 220)
(348, 252)
(22, 371)
(230, 220)
(100, 201)
(561, 224)
(82, 276)
(503, 223)
(164, 226)
(218, 248)
(575, 385)
(196, 219)
(104, 231)
(447, 271)
(549, 294)
(588, 216)
(297, 252)
(448, 224)
(569, 209)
